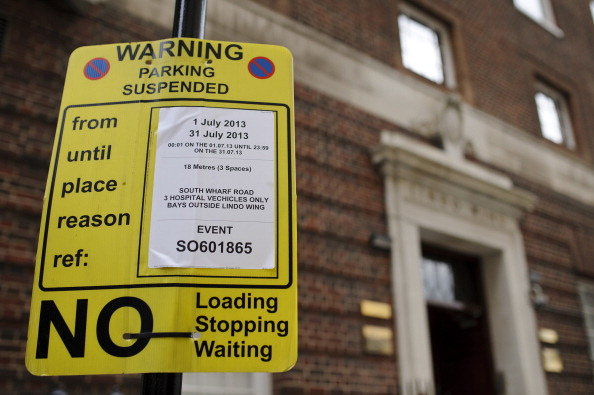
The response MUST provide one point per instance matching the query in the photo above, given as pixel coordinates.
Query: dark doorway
(460, 344)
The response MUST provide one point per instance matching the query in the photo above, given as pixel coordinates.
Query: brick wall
(39, 39)
(555, 251)
(500, 54)
(340, 204)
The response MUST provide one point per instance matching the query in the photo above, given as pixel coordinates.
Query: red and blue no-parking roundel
(96, 68)
(261, 67)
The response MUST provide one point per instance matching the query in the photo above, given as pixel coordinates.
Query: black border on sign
(138, 275)
(176, 285)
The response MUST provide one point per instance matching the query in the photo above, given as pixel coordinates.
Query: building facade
(445, 179)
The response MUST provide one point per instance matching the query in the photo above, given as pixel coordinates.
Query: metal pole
(190, 18)
(161, 383)
(189, 21)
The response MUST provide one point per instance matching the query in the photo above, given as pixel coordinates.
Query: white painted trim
(431, 200)
(338, 71)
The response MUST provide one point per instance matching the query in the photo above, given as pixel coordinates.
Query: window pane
(421, 50)
(450, 277)
(592, 8)
(550, 118)
(534, 8)
(438, 280)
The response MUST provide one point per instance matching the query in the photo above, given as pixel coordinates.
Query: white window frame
(226, 384)
(562, 112)
(445, 45)
(546, 19)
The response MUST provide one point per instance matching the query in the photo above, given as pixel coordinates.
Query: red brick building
(445, 186)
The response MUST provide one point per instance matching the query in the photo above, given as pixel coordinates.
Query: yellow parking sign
(168, 236)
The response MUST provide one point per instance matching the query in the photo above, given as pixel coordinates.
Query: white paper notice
(214, 189)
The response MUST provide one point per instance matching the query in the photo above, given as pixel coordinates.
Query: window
(553, 115)
(438, 281)
(425, 47)
(541, 11)
(587, 297)
(450, 279)
(592, 8)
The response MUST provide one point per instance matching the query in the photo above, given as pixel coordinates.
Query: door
(460, 343)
